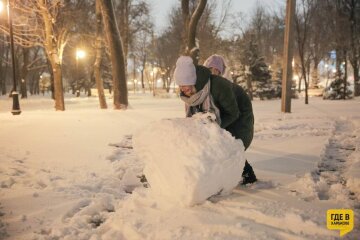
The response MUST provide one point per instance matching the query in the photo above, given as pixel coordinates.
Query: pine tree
(336, 89)
(262, 78)
(260, 75)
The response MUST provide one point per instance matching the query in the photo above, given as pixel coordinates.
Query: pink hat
(215, 61)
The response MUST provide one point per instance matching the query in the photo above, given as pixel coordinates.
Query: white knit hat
(185, 72)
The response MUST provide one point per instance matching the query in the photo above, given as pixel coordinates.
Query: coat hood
(202, 77)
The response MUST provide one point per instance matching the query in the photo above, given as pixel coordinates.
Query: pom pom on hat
(215, 61)
(185, 72)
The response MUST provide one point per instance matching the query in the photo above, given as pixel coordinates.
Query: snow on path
(86, 195)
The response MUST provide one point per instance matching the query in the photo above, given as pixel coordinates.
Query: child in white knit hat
(185, 75)
(204, 91)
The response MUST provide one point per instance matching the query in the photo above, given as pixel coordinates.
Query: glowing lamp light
(1, 6)
(80, 53)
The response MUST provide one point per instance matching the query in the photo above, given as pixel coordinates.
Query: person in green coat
(203, 91)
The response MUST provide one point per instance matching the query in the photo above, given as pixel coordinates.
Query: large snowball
(190, 159)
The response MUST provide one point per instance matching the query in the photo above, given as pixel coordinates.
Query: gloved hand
(205, 117)
(210, 116)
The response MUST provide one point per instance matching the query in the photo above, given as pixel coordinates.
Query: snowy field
(74, 174)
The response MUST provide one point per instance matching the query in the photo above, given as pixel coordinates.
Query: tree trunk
(192, 48)
(306, 81)
(58, 86)
(142, 73)
(53, 57)
(116, 55)
(345, 74)
(299, 84)
(315, 76)
(186, 20)
(97, 64)
(355, 49)
(24, 73)
(356, 80)
(124, 30)
(4, 74)
(34, 83)
(189, 28)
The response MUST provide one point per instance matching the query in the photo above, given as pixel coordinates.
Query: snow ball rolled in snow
(187, 160)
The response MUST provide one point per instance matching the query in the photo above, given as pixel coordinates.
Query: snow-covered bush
(336, 90)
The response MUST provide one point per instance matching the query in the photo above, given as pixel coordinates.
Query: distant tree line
(122, 48)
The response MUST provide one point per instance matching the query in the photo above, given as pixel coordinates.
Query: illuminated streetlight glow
(80, 53)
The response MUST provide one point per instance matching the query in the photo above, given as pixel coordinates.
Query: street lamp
(80, 54)
(15, 96)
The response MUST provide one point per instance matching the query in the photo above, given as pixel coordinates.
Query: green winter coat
(233, 102)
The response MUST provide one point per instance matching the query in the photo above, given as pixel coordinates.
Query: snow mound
(187, 160)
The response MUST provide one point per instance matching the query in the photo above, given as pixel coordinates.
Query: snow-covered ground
(73, 174)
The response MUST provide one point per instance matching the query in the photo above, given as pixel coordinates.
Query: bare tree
(190, 28)
(318, 32)
(46, 24)
(352, 9)
(133, 16)
(116, 55)
(4, 64)
(303, 18)
(141, 51)
(97, 64)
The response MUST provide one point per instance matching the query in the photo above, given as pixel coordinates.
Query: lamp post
(80, 54)
(15, 96)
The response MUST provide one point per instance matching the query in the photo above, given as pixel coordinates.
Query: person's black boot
(248, 174)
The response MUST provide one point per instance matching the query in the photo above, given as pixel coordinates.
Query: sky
(161, 8)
